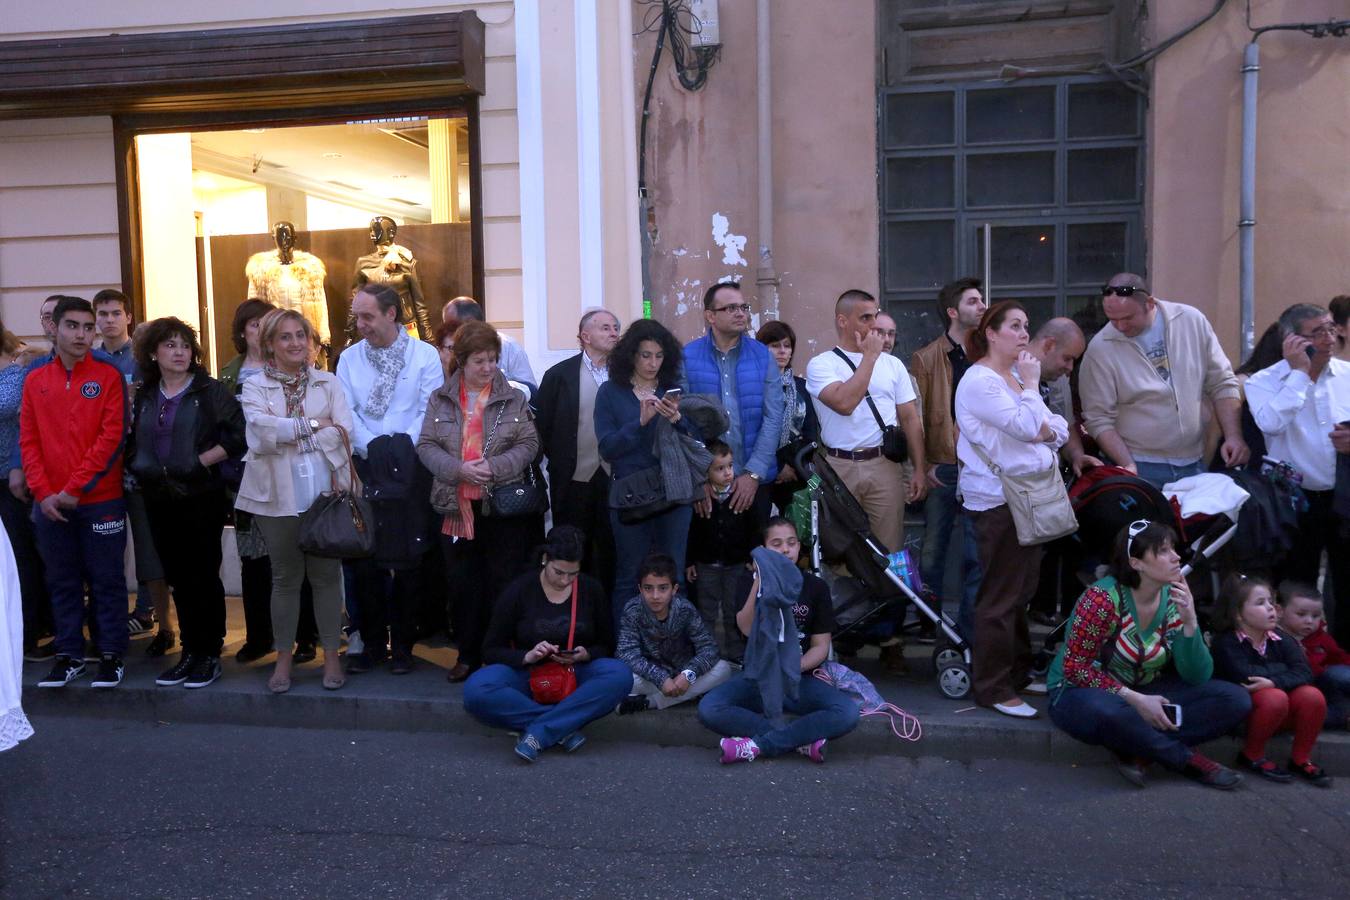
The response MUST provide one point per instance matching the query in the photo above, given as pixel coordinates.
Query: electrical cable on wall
(664, 17)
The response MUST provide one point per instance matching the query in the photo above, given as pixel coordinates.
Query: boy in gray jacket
(663, 640)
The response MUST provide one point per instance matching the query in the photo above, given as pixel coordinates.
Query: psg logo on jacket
(91, 389)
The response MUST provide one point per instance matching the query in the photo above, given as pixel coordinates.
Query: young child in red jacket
(1301, 615)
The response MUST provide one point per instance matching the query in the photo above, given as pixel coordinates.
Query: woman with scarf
(478, 434)
(800, 424)
(297, 421)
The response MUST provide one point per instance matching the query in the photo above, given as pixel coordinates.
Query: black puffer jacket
(208, 415)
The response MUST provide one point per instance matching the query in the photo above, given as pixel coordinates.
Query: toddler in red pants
(1250, 649)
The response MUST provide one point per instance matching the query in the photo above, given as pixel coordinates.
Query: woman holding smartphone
(531, 625)
(1133, 653)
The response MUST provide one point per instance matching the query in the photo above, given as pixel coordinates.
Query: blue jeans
(941, 510)
(1159, 474)
(499, 696)
(666, 533)
(1208, 710)
(734, 710)
(87, 548)
(1335, 684)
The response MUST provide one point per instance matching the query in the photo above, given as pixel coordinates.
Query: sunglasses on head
(1137, 527)
(1121, 290)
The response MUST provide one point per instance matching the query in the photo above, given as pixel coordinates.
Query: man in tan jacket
(1144, 380)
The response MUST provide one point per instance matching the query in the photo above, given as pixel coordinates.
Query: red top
(1322, 651)
(72, 425)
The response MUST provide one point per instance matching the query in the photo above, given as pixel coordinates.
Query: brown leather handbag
(340, 523)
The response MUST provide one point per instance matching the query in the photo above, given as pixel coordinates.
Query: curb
(424, 702)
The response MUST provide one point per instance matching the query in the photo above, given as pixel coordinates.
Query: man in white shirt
(1302, 405)
(388, 377)
(840, 382)
(514, 362)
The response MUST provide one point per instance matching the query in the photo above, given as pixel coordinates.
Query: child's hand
(691, 573)
(1258, 684)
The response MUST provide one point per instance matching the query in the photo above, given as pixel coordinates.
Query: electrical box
(704, 24)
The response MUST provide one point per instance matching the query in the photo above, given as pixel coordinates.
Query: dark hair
(465, 309)
(1297, 314)
(710, 295)
(776, 330)
(474, 337)
(777, 522)
(1340, 309)
(849, 297)
(443, 331)
(1268, 351)
(385, 296)
(1150, 540)
(157, 332)
(70, 304)
(246, 312)
(112, 295)
(621, 357)
(1291, 589)
(565, 543)
(1233, 595)
(658, 564)
(950, 295)
(977, 348)
(718, 448)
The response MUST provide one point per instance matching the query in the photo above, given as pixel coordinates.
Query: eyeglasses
(1120, 290)
(1324, 331)
(1137, 527)
(733, 307)
(45, 317)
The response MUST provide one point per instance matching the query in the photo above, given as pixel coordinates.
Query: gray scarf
(387, 363)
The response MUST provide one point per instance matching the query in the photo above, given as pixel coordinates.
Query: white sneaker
(1020, 711)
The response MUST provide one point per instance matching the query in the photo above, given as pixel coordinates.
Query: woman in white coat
(14, 725)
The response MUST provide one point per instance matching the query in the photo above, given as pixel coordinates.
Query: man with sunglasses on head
(1144, 380)
(1302, 406)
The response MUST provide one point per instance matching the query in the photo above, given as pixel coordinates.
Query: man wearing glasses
(1144, 380)
(1302, 406)
(743, 374)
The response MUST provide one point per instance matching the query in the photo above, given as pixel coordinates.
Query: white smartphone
(1173, 713)
(673, 394)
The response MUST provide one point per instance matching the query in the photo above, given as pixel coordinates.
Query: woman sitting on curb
(1133, 654)
(530, 626)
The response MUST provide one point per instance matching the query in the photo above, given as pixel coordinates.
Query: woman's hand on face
(541, 650)
(1150, 709)
(1029, 367)
(646, 409)
(1184, 602)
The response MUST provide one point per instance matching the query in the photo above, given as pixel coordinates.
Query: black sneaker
(179, 673)
(1209, 773)
(204, 671)
(359, 663)
(249, 653)
(39, 652)
(110, 672)
(161, 645)
(634, 703)
(1265, 768)
(64, 671)
(138, 627)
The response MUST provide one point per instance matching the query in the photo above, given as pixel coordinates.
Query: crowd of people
(671, 571)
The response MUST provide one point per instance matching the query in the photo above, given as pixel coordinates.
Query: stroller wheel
(945, 655)
(954, 681)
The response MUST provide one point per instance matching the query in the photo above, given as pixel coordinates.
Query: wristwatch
(314, 424)
(689, 676)
(754, 475)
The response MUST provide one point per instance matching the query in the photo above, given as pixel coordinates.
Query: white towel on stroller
(1210, 494)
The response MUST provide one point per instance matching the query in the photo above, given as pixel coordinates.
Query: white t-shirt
(890, 385)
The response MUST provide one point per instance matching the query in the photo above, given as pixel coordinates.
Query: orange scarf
(470, 449)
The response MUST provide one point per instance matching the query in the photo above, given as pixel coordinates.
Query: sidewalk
(423, 701)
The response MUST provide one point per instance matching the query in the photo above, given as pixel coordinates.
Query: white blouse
(1005, 425)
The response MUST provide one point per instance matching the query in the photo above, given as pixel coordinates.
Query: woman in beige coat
(478, 434)
(294, 454)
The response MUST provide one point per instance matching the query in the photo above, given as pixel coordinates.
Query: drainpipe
(1251, 67)
(766, 279)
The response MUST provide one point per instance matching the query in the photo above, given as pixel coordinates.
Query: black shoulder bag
(893, 444)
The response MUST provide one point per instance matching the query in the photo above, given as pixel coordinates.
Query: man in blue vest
(740, 371)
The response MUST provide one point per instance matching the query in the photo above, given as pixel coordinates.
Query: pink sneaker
(815, 751)
(739, 749)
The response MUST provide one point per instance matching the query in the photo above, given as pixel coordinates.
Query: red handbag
(552, 682)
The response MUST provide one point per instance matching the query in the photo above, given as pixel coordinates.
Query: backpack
(870, 702)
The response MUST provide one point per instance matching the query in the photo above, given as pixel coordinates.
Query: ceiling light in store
(331, 155)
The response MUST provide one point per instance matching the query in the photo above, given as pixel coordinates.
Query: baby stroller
(1106, 499)
(881, 581)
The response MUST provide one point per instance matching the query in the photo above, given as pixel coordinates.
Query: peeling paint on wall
(731, 244)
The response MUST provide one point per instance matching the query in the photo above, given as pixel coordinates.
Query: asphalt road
(109, 808)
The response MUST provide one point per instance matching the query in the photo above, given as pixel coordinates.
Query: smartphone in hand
(1173, 713)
